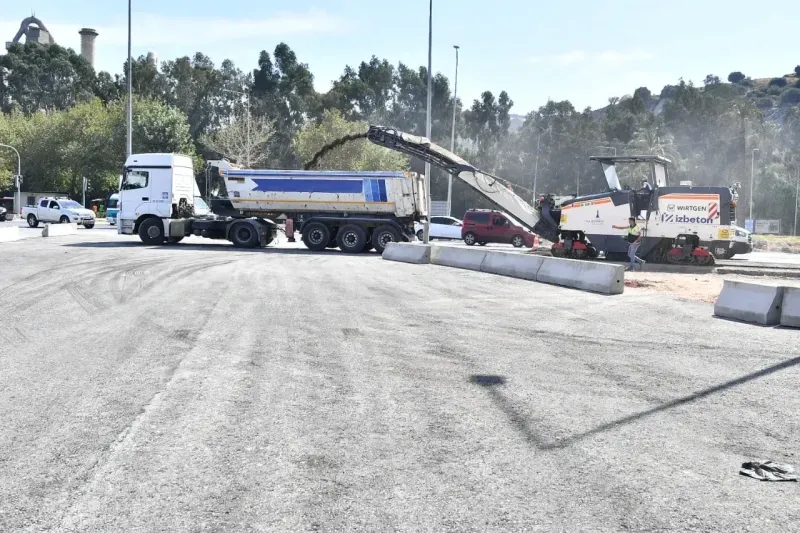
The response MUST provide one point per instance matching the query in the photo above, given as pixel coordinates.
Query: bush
(797, 84)
(797, 70)
(735, 77)
(790, 97)
(765, 103)
(778, 82)
(643, 94)
(774, 90)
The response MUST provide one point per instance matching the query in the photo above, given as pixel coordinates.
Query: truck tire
(88, 226)
(63, 220)
(383, 235)
(316, 236)
(151, 231)
(32, 220)
(352, 239)
(244, 235)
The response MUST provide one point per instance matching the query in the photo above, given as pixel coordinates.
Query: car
(61, 210)
(3, 214)
(441, 228)
(482, 226)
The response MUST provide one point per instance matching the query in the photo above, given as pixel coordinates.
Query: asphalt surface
(198, 387)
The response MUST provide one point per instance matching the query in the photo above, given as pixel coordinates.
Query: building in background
(35, 31)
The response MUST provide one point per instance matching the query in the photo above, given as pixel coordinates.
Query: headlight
(740, 233)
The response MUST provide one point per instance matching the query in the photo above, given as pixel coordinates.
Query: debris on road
(768, 471)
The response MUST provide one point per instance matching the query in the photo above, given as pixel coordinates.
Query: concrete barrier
(790, 308)
(605, 278)
(457, 257)
(407, 252)
(58, 230)
(750, 302)
(512, 264)
(9, 234)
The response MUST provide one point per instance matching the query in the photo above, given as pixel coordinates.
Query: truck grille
(732, 213)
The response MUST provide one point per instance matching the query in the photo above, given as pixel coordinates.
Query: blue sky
(584, 51)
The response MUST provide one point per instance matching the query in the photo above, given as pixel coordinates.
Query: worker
(634, 237)
(646, 185)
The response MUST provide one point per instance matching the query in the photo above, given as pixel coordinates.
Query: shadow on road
(217, 247)
(492, 383)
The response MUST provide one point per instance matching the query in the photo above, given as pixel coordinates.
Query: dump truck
(355, 211)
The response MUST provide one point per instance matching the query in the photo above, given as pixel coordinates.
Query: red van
(483, 226)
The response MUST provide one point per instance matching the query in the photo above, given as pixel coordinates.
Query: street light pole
(536, 169)
(796, 198)
(426, 230)
(453, 139)
(752, 180)
(129, 129)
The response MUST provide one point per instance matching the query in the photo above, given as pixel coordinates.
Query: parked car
(3, 214)
(482, 226)
(61, 210)
(441, 228)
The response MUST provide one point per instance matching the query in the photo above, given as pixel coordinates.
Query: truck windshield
(113, 203)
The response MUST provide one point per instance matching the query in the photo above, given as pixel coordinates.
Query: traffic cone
(535, 242)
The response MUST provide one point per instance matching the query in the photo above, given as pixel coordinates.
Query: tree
(355, 155)
(486, 123)
(797, 70)
(778, 82)
(364, 94)
(283, 91)
(36, 77)
(711, 79)
(735, 77)
(245, 143)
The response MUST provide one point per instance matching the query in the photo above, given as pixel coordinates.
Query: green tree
(36, 77)
(355, 155)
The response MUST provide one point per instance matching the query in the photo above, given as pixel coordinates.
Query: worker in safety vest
(634, 237)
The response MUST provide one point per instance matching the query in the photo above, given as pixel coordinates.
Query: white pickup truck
(60, 210)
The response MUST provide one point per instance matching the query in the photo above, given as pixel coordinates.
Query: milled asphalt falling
(199, 387)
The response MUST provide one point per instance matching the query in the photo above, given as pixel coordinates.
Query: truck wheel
(352, 239)
(382, 236)
(243, 235)
(88, 226)
(470, 239)
(63, 220)
(316, 236)
(32, 222)
(517, 241)
(151, 231)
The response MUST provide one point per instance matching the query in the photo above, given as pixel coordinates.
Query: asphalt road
(199, 387)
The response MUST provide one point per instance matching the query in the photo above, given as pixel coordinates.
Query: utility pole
(453, 139)
(17, 178)
(536, 168)
(752, 181)
(427, 226)
(83, 203)
(129, 128)
(796, 198)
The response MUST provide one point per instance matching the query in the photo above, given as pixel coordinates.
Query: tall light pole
(427, 226)
(796, 198)
(536, 170)
(129, 128)
(18, 178)
(752, 181)
(246, 95)
(453, 139)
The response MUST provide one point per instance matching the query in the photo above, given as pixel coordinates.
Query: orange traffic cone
(535, 242)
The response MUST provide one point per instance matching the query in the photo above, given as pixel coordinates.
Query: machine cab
(155, 184)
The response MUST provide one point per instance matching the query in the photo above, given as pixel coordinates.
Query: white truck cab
(154, 185)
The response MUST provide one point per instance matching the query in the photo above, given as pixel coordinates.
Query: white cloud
(156, 30)
(567, 58)
(617, 58)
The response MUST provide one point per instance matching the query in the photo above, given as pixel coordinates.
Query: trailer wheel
(244, 235)
(151, 231)
(383, 235)
(352, 239)
(316, 236)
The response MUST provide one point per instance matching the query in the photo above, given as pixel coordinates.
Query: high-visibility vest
(633, 233)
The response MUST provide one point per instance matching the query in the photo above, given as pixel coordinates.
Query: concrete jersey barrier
(750, 302)
(468, 258)
(58, 230)
(405, 252)
(9, 234)
(515, 265)
(591, 276)
(790, 308)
